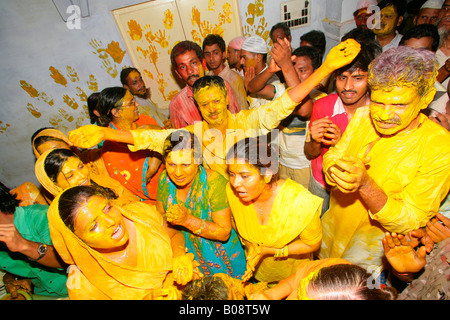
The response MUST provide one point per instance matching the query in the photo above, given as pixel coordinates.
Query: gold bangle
(282, 252)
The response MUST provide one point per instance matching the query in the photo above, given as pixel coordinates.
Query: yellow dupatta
(94, 276)
(295, 215)
(101, 179)
(293, 210)
(50, 133)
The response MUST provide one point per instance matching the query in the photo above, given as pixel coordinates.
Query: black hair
(214, 39)
(346, 282)
(310, 52)
(55, 160)
(8, 201)
(207, 81)
(183, 140)
(92, 102)
(206, 288)
(359, 34)
(370, 49)
(109, 99)
(72, 198)
(316, 38)
(258, 152)
(422, 31)
(38, 131)
(281, 25)
(124, 74)
(182, 47)
(399, 5)
(43, 139)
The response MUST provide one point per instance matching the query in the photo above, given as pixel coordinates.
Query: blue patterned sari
(207, 195)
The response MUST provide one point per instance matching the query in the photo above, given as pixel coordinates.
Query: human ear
(268, 176)
(428, 97)
(115, 112)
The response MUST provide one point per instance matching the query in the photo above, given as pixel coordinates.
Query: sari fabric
(130, 168)
(207, 195)
(295, 215)
(92, 275)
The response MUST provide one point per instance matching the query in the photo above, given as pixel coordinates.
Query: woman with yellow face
(59, 169)
(120, 251)
(278, 220)
(194, 198)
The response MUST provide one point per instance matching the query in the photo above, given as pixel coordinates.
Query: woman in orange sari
(137, 171)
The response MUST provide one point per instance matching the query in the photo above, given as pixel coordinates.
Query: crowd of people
(277, 173)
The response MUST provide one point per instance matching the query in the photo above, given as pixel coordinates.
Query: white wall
(35, 38)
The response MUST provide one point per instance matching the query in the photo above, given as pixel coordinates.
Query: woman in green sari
(194, 200)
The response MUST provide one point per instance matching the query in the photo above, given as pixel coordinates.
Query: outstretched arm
(91, 135)
(339, 56)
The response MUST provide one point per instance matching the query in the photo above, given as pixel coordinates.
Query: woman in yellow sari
(58, 169)
(116, 252)
(278, 221)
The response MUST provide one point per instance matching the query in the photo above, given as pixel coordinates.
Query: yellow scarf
(50, 133)
(96, 276)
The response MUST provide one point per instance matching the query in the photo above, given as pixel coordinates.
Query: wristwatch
(42, 250)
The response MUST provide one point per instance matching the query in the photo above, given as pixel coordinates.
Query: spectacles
(131, 103)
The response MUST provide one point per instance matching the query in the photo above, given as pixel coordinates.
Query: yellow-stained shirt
(412, 168)
(246, 123)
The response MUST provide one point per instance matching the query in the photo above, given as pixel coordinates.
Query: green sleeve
(217, 192)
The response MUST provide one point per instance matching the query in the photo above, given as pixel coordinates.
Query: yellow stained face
(389, 21)
(248, 59)
(181, 168)
(396, 110)
(136, 84)
(246, 180)
(99, 223)
(73, 173)
(212, 102)
(129, 110)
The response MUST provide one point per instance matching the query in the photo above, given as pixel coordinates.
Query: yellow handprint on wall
(135, 30)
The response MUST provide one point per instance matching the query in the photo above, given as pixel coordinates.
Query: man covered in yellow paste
(390, 170)
(220, 129)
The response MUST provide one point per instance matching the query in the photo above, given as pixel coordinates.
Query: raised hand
(342, 54)
(401, 255)
(177, 214)
(349, 174)
(87, 136)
